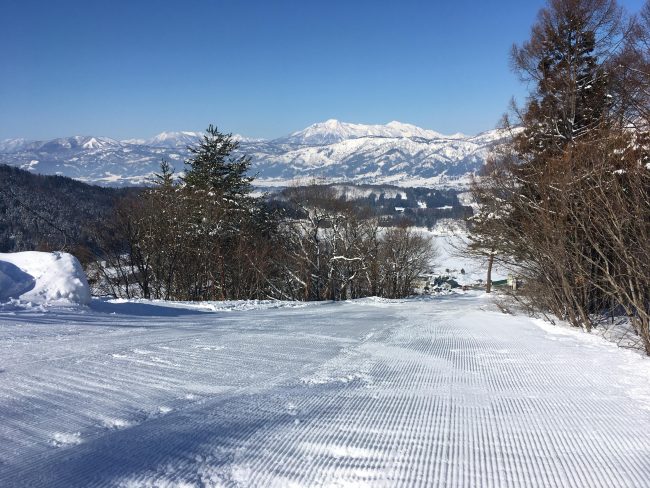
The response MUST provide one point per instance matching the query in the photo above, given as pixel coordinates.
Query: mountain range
(333, 151)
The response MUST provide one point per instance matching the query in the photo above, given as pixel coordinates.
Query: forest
(393, 205)
(40, 212)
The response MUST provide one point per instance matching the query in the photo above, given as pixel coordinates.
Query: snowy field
(440, 392)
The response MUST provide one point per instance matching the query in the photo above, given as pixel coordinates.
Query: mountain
(333, 131)
(9, 145)
(395, 153)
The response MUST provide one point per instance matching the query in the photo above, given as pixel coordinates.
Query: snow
(134, 141)
(91, 143)
(175, 139)
(441, 392)
(30, 166)
(40, 278)
(8, 145)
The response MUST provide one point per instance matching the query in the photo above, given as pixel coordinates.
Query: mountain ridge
(395, 153)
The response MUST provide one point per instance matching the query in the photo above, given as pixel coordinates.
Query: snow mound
(42, 278)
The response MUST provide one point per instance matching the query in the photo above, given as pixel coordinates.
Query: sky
(132, 69)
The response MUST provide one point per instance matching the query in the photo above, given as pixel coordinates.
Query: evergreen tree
(164, 179)
(214, 169)
(565, 59)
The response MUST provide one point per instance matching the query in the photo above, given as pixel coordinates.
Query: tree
(566, 60)
(630, 71)
(203, 237)
(215, 169)
(336, 250)
(554, 184)
(490, 235)
(405, 255)
(222, 213)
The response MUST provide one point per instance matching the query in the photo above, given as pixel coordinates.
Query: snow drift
(43, 278)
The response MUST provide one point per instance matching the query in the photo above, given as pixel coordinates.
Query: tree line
(206, 236)
(566, 203)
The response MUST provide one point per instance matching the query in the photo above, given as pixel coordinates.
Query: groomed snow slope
(437, 392)
(42, 278)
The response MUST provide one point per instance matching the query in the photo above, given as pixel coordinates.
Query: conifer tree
(565, 60)
(164, 179)
(214, 168)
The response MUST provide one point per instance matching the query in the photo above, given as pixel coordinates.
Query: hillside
(48, 212)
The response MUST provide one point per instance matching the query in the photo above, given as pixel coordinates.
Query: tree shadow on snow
(140, 309)
(212, 432)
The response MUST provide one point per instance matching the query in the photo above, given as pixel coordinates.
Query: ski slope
(439, 392)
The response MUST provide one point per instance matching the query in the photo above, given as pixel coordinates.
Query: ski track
(424, 393)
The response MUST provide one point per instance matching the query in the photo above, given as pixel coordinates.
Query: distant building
(513, 282)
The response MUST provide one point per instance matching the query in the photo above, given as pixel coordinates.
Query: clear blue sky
(260, 68)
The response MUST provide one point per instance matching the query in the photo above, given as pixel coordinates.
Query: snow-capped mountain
(333, 131)
(336, 151)
(9, 145)
(174, 139)
(61, 144)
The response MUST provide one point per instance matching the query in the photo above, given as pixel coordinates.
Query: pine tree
(164, 179)
(566, 59)
(215, 169)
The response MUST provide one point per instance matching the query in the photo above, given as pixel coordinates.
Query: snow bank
(42, 278)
